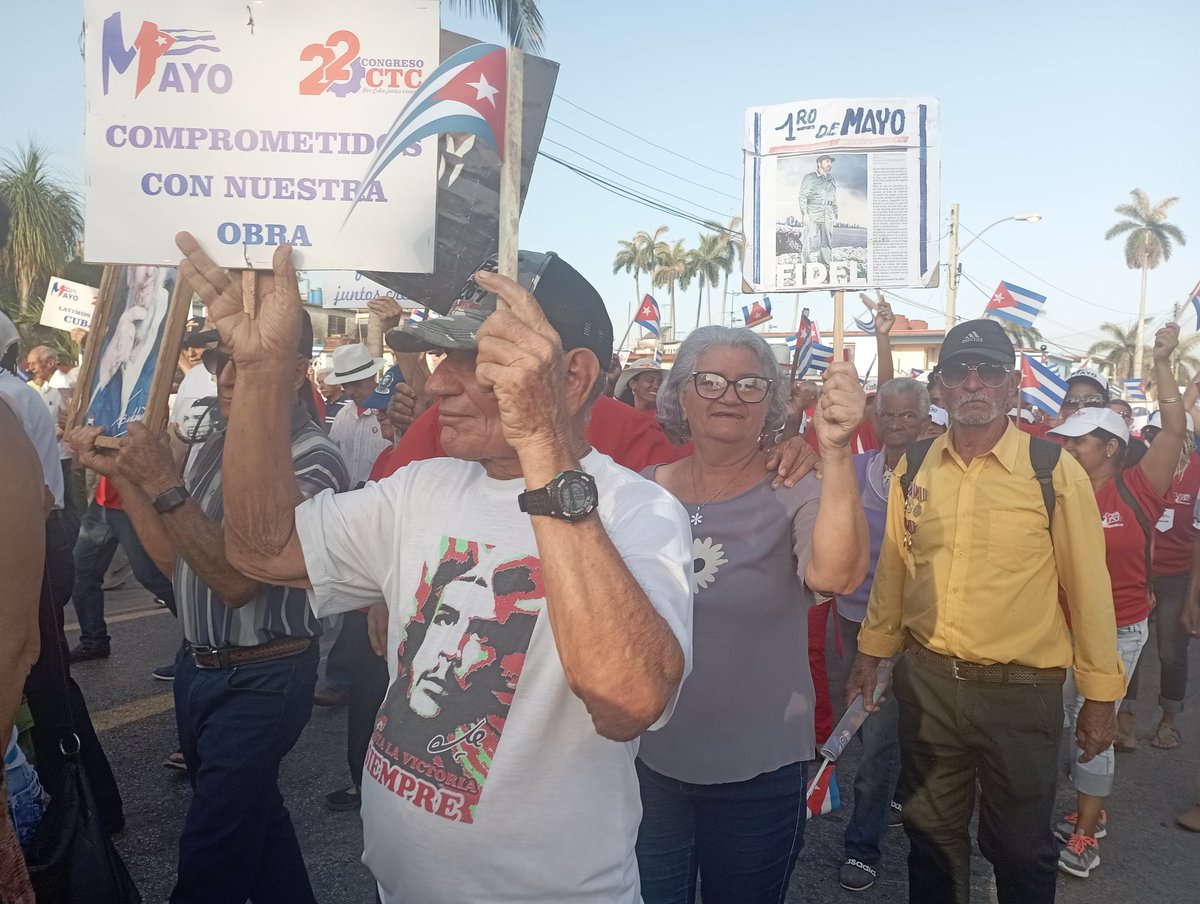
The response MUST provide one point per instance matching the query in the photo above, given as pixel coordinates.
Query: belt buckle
(221, 656)
(954, 669)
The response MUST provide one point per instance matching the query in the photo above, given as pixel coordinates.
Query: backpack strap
(1143, 521)
(1043, 456)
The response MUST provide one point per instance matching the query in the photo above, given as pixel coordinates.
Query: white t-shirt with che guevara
(485, 779)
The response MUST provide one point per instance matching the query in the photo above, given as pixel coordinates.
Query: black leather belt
(227, 657)
(1000, 673)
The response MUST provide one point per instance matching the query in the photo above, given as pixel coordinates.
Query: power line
(631, 179)
(640, 160)
(647, 141)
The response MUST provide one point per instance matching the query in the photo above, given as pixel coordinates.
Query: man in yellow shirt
(967, 583)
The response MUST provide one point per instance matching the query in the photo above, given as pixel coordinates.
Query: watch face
(574, 496)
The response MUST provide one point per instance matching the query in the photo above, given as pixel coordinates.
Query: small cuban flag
(648, 316)
(916, 373)
(1016, 304)
(791, 345)
(1134, 390)
(1041, 386)
(467, 93)
(759, 312)
(658, 355)
(823, 795)
(418, 315)
(822, 357)
(866, 323)
(1194, 301)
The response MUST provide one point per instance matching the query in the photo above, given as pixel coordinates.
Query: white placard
(342, 289)
(68, 305)
(841, 194)
(250, 125)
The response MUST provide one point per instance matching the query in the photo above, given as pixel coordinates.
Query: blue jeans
(26, 802)
(100, 530)
(1171, 594)
(235, 727)
(742, 838)
(878, 770)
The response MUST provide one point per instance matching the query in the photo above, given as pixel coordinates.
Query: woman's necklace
(696, 516)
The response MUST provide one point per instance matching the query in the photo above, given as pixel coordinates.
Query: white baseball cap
(1156, 421)
(8, 333)
(939, 416)
(1085, 420)
(1088, 373)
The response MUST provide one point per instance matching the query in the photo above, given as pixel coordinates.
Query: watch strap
(170, 499)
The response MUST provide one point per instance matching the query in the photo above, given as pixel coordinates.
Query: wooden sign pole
(250, 293)
(510, 169)
(839, 316)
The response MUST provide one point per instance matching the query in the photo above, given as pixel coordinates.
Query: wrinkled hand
(387, 309)
(405, 406)
(91, 456)
(386, 428)
(377, 628)
(1095, 728)
(145, 460)
(841, 407)
(791, 460)
(885, 319)
(274, 334)
(520, 359)
(1166, 340)
(863, 680)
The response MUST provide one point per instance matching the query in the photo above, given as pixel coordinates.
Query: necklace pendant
(697, 517)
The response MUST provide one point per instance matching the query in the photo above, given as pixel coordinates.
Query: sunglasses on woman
(750, 390)
(991, 375)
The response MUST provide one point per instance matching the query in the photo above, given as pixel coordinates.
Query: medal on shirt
(913, 507)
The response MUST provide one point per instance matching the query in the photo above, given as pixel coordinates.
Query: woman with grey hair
(723, 783)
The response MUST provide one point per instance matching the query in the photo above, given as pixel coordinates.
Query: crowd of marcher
(582, 608)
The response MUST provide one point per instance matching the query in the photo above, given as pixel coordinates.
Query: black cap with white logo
(981, 339)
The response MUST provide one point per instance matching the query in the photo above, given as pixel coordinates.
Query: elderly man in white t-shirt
(540, 610)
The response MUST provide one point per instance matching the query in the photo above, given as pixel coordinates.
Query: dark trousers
(368, 687)
(235, 727)
(1170, 592)
(100, 530)
(43, 683)
(742, 838)
(1005, 736)
(878, 770)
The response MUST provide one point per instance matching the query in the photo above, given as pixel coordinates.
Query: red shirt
(630, 437)
(1173, 546)
(1125, 543)
(107, 495)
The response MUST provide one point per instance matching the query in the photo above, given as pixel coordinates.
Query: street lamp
(955, 251)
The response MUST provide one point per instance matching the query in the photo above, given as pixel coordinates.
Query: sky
(1059, 108)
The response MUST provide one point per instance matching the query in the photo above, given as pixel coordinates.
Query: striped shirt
(277, 611)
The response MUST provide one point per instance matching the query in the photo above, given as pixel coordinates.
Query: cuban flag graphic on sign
(1041, 386)
(1016, 304)
(759, 312)
(648, 316)
(467, 93)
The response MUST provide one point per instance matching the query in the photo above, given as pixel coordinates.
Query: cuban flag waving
(1016, 304)
(418, 315)
(1041, 386)
(1134, 390)
(648, 316)
(822, 357)
(759, 312)
(467, 93)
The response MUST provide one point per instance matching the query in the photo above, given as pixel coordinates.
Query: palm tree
(1148, 244)
(704, 265)
(46, 222)
(1119, 351)
(639, 255)
(520, 19)
(733, 246)
(672, 266)
(1022, 336)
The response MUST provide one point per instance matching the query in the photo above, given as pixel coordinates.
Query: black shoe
(895, 815)
(328, 696)
(80, 653)
(856, 875)
(346, 799)
(165, 672)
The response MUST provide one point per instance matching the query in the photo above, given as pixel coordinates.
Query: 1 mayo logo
(152, 43)
(63, 291)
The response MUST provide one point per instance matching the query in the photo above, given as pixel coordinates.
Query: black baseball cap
(195, 333)
(195, 338)
(979, 339)
(571, 304)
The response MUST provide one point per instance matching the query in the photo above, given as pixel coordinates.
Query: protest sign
(68, 305)
(254, 126)
(841, 193)
(343, 289)
(468, 192)
(132, 350)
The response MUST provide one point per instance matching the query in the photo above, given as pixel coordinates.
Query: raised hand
(520, 359)
(1166, 340)
(885, 319)
(270, 337)
(841, 407)
(387, 309)
(405, 406)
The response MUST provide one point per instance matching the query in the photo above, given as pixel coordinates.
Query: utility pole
(952, 275)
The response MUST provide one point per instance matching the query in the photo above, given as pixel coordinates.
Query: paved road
(1145, 857)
